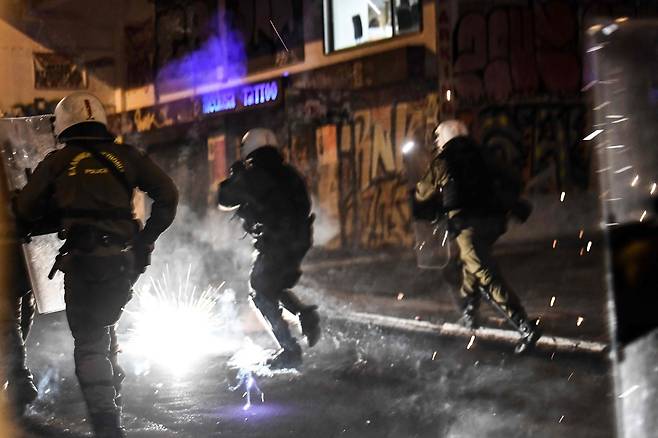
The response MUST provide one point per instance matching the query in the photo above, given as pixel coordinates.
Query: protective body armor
(273, 201)
(469, 186)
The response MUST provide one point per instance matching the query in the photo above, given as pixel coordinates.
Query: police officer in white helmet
(478, 198)
(90, 183)
(272, 199)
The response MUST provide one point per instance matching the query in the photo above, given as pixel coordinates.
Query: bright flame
(176, 325)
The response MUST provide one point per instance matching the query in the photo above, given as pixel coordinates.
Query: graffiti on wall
(361, 172)
(512, 64)
(542, 141)
(517, 51)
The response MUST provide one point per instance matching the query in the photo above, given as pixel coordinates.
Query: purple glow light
(259, 411)
(220, 59)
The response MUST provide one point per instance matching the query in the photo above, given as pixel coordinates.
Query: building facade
(344, 83)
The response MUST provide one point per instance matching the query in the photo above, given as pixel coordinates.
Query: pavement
(563, 286)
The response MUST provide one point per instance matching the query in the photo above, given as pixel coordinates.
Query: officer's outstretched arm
(32, 201)
(162, 190)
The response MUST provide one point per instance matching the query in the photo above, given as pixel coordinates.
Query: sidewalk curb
(546, 342)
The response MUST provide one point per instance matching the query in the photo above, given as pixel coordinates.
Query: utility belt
(85, 239)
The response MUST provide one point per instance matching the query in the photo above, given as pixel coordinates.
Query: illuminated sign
(218, 102)
(243, 97)
(260, 93)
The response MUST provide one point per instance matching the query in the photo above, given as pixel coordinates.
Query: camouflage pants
(479, 269)
(96, 290)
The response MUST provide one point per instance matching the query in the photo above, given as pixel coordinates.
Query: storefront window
(349, 23)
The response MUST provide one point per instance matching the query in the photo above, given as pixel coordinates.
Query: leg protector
(469, 306)
(107, 425)
(272, 314)
(119, 373)
(21, 390)
(28, 309)
(530, 332)
(308, 316)
(94, 369)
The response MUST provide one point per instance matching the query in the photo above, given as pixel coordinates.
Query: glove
(455, 226)
(426, 210)
(237, 168)
(142, 252)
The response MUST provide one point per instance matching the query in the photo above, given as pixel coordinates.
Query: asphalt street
(360, 381)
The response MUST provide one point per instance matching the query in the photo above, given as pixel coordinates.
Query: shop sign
(247, 96)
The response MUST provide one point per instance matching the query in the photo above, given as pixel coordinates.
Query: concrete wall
(87, 32)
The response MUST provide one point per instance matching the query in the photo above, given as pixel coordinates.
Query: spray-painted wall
(517, 74)
(361, 177)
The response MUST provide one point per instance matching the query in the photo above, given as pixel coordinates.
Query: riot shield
(433, 248)
(24, 142)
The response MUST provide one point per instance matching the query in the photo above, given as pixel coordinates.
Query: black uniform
(18, 309)
(105, 250)
(274, 204)
(15, 324)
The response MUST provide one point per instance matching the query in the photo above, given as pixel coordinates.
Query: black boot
(286, 358)
(469, 307)
(21, 390)
(291, 354)
(107, 425)
(310, 320)
(530, 334)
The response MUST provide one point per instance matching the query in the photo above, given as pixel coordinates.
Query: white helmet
(257, 138)
(448, 130)
(76, 108)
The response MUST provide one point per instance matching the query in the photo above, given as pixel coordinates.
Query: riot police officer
(89, 184)
(273, 202)
(467, 188)
(15, 324)
(18, 311)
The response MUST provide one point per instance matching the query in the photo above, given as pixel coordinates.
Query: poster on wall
(24, 142)
(217, 160)
(57, 72)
